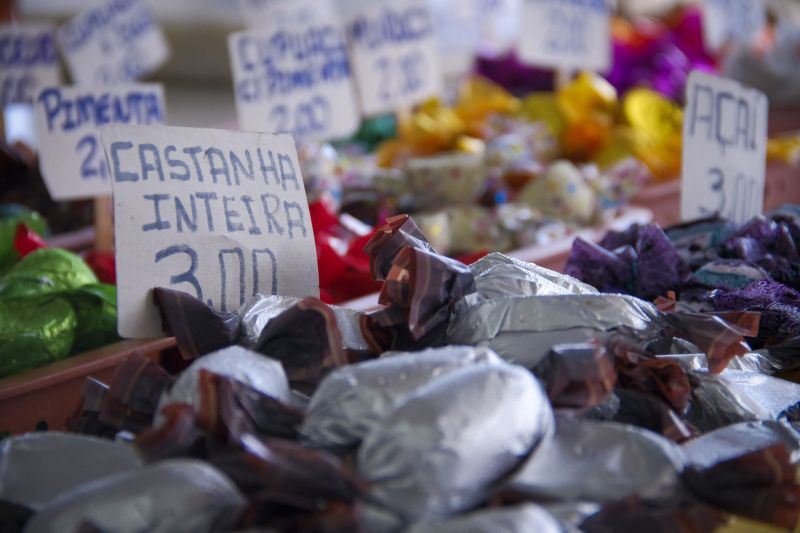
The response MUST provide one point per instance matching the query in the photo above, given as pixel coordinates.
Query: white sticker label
(731, 20)
(67, 122)
(394, 55)
(724, 149)
(218, 214)
(294, 78)
(566, 34)
(28, 62)
(118, 41)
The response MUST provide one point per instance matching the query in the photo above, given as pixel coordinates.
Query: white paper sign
(218, 214)
(726, 20)
(295, 78)
(262, 14)
(566, 34)
(724, 149)
(67, 122)
(28, 62)
(118, 41)
(394, 55)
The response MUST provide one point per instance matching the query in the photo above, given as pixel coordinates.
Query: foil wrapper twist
(523, 518)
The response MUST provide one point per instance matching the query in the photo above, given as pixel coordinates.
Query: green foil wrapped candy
(34, 332)
(45, 271)
(11, 216)
(96, 311)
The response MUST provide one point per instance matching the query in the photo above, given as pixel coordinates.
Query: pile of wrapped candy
(707, 265)
(52, 303)
(495, 396)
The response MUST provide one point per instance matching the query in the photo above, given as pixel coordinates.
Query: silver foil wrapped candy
(258, 371)
(501, 276)
(523, 518)
(522, 330)
(353, 400)
(37, 467)
(600, 462)
(173, 496)
(438, 452)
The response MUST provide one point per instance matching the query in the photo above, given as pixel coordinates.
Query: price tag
(118, 41)
(221, 215)
(724, 149)
(67, 122)
(295, 78)
(28, 62)
(727, 20)
(394, 55)
(566, 34)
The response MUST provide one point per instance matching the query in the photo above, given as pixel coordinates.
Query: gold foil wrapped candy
(478, 98)
(657, 123)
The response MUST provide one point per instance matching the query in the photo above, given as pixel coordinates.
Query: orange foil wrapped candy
(589, 104)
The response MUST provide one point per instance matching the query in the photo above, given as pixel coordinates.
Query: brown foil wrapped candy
(353, 400)
(438, 452)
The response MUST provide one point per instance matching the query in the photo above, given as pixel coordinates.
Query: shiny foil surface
(354, 400)
(174, 496)
(35, 468)
(438, 452)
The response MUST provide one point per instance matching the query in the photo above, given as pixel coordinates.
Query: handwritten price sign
(28, 62)
(68, 120)
(566, 34)
(726, 20)
(115, 42)
(394, 54)
(295, 78)
(724, 149)
(220, 215)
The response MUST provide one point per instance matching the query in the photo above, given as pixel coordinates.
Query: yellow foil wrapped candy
(478, 98)
(431, 129)
(784, 149)
(658, 123)
(589, 104)
(543, 107)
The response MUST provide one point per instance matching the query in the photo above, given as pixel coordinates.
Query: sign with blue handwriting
(218, 214)
(28, 62)
(115, 42)
(394, 53)
(731, 20)
(724, 149)
(566, 34)
(67, 122)
(295, 78)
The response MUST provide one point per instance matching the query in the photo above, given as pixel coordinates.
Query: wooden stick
(104, 224)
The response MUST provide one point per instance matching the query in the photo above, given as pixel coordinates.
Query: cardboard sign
(28, 62)
(262, 14)
(295, 78)
(218, 214)
(118, 41)
(727, 20)
(67, 122)
(394, 55)
(566, 34)
(724, 149)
